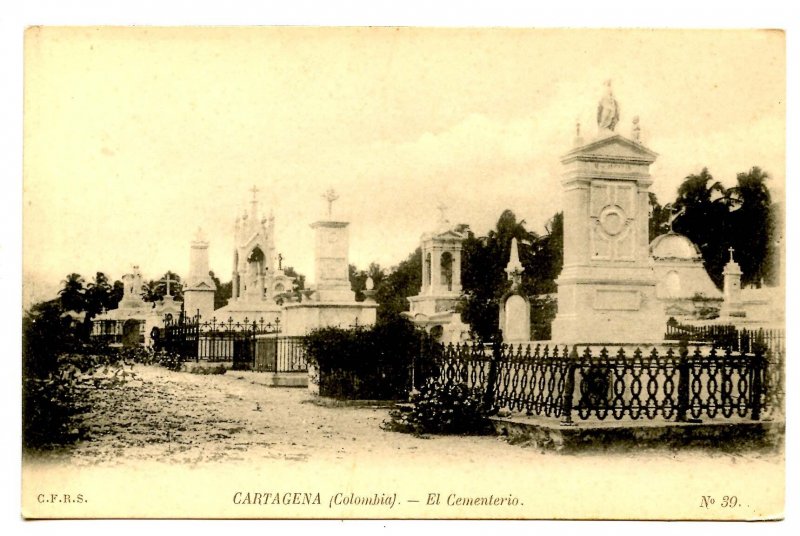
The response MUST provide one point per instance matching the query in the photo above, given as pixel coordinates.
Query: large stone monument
(607, 288)
(434, 308)
(257, 283)
(198, 292)
(333, 303)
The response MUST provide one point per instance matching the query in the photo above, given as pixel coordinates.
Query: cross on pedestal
(255, 191)
(730, 251)
(330, 196)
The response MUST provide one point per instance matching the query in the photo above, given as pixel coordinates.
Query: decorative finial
(636, 132)
(369, 283)
(199, 235)
(578, 141)
(514, 268)
(254, 203)
(330, 196)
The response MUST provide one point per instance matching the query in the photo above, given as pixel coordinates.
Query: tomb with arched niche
(258, 279)
(435, 305)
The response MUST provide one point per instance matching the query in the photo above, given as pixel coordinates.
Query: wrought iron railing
(672, 384)
(214, 340)
(280, 354)
(770, 342)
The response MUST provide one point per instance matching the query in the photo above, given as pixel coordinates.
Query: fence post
(497, 355)
(756, 385)
(683, 381)
(569, 387)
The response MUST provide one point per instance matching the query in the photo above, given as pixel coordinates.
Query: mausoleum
(682, 282)
(434, 308)
(257, 281)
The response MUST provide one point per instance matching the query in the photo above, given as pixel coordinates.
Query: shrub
(367, 363)
(170, 360)
(442, 409)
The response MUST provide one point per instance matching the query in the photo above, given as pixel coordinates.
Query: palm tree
(72, 294)
(98, 294)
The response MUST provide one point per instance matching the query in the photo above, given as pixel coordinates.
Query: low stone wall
(551, 435)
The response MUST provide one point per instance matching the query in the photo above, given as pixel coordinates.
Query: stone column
(457, 270)
(425, 269)
(436, 270)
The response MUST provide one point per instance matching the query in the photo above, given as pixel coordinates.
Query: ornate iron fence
(770, 342)
(674, 384)
(214, 340)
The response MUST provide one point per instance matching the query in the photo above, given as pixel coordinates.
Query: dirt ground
(174, 444)
(177, 417)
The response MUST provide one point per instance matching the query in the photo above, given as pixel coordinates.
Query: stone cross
(730, 251)
(675, 216)
(167, 279)
(255, 191)
(330, 196)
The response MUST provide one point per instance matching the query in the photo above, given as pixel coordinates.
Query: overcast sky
(135, 137)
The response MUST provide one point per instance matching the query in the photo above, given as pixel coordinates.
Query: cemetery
(633, 351)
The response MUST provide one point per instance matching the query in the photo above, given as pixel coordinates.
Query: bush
(367, 363)
(442, 409)
(52, 404)
(170, 360)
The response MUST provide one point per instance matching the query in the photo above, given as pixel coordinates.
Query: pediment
(449, 235)
(615, 146)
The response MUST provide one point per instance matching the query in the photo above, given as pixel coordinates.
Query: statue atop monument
(607, 110)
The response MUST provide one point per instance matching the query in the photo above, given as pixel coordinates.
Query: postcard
(403, 273)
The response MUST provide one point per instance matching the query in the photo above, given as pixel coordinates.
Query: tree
(72, 295)
(401, 282)
(98, 295)
(358, 278)
(483, 271)
(742, 217)
(704, 220)
(222, 291)
(658, 223)
(751, 226)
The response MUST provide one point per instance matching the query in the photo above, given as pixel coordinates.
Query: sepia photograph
(307, 272)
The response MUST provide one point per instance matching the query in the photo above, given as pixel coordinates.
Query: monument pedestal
(622, 309)
(334, 302)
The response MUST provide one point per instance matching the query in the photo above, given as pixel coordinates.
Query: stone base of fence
(550, 434)
(274, 379)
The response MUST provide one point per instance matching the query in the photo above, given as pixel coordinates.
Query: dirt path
(195, 419)
(186, 418)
